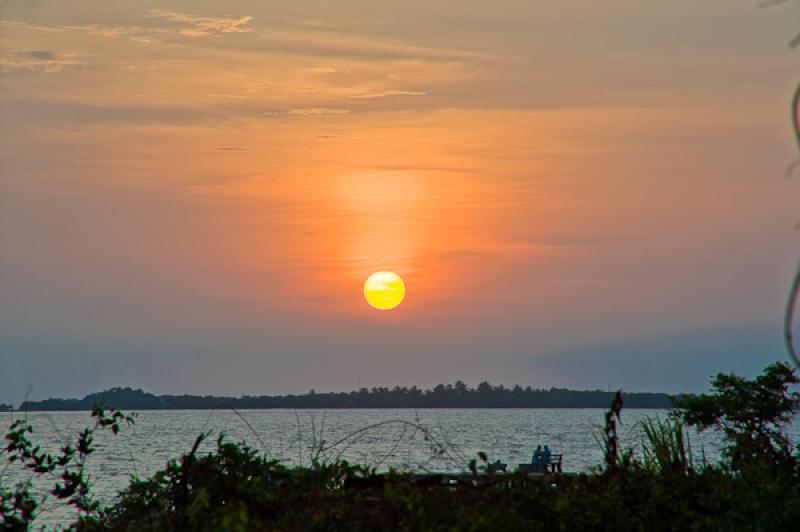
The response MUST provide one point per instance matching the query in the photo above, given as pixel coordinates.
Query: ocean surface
(403, 439)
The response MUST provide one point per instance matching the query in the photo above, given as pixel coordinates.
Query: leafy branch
(67, 468)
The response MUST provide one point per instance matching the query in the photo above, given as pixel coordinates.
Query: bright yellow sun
(384, 290)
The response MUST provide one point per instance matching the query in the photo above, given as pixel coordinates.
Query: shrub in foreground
(236, 488)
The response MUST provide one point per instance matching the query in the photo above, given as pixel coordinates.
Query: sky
(576, 194)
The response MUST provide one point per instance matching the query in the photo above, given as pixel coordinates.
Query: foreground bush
(236, 489)
(755, 486)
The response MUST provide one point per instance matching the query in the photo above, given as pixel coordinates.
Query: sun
(384, 290)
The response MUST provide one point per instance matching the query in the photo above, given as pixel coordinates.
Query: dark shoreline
(455, 396)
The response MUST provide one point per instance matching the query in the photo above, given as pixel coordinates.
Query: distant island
(457, 395)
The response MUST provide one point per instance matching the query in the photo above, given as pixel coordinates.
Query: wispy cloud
(188, 26)
(309, 111)
(133, 33)
(317, 111)
(42, 61)
(338, 44)
(228, 96)
(387, 94)
(12, 24)
(204, 25)
(322, 70)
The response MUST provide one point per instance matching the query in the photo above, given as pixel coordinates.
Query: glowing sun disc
(384, 290)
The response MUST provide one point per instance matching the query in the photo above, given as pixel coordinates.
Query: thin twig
(791, 308)
(319, 443)
(299, 439)
(264, 447)
(439, 448)
(313, 448)
(394, 447)
(794, 293)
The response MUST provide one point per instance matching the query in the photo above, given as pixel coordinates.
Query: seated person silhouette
(546, 454)
(537, 455)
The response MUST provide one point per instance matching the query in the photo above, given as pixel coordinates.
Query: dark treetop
(456, 395)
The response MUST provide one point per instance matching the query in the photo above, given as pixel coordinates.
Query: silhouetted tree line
(457, 395)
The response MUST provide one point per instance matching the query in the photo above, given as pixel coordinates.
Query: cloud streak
(188, 26)
(387, 94)
(133, 33)
(203, 25)
(42, 61)
(309, 111)
(306, 111)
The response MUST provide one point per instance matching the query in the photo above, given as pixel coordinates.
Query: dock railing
(551, 466)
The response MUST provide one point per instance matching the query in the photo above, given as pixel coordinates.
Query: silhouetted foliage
(611, 447)
(67, 470)
(237, 488)
(457, 395)
(751, 414)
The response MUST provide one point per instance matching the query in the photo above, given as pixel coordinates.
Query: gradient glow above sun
(384, 290)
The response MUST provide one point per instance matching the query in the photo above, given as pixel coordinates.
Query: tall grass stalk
(666, 447)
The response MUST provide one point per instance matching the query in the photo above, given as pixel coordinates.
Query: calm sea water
(404, 439)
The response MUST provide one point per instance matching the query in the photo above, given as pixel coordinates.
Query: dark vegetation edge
(457, 395)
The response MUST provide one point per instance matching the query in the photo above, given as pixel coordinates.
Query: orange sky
(565, 188)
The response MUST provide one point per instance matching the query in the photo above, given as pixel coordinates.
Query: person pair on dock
(541, 456)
